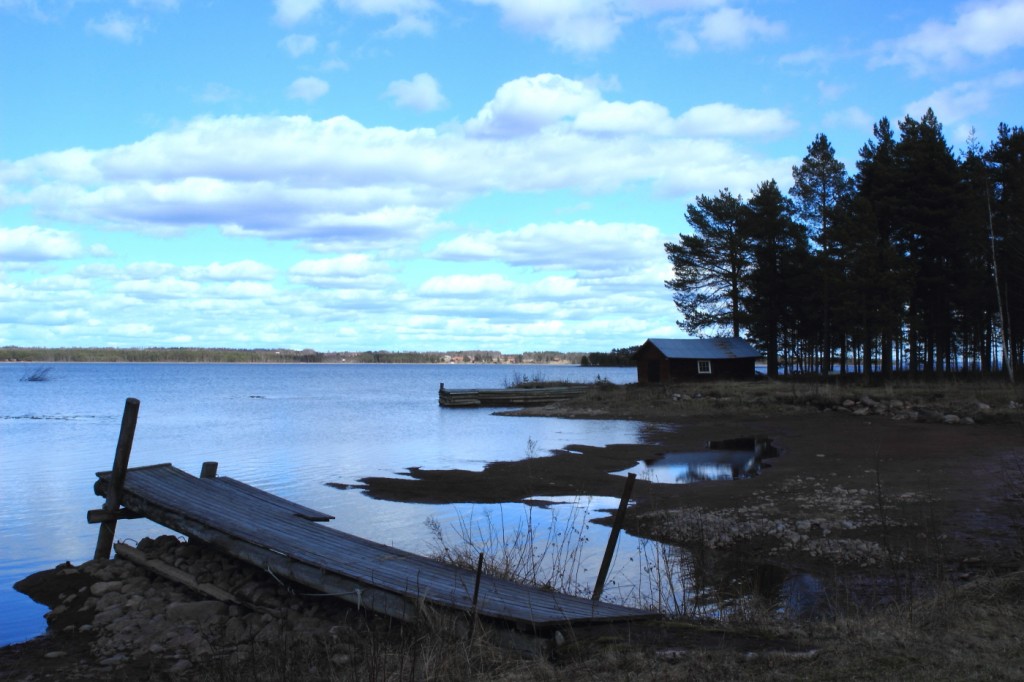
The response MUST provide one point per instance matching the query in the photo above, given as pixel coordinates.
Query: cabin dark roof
(705, 349)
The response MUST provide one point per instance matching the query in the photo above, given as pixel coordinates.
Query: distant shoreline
(306, 356)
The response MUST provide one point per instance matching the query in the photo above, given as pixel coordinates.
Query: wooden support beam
(620, 517)
(105, 537)
(103, 516)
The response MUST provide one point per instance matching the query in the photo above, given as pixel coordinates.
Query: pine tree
(710, 265)
(778, 248)
(821, 189)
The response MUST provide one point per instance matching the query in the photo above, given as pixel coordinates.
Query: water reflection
(722, 461)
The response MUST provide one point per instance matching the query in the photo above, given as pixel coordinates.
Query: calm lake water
(289, 429)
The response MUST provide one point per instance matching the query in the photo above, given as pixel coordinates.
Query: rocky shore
(129, 622)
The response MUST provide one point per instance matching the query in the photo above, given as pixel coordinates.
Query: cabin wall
(653, 367)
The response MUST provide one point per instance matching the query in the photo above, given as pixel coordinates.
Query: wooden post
(105, 538)
(209, 470)
(620, 517)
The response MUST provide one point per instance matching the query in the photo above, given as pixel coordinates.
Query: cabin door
(653, 371)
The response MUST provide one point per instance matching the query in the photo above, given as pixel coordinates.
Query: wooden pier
(291, 542)
(506, 397)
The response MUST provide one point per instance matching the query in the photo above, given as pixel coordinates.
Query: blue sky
(428, 175)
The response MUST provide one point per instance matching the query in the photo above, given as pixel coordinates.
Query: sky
(429, 174)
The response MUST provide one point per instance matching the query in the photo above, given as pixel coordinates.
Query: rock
(116, 659)
(181, 666)
(101, 588)
(862, 411)
(950, 419)
(869, 401)
(196, 610)
(55, 654)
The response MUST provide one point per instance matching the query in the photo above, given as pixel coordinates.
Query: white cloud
(308, 88)
(962, 100)
(680, 35)
(297, 45)
(575, 26)
(224, 272)
(338, 185)
(160, 288)
(731, 27)
(981, 29)
(625, 118)
(118, 27)
(729, 120)
(528, 104)
(409, 24)
(466, 285)
(33, 243)
(587, 248)
(360, 269)
(293, 11)
(422, 93)
(587, 26)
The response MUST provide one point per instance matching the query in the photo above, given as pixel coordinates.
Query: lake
(289, 429)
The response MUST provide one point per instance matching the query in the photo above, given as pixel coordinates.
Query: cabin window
(703, 367)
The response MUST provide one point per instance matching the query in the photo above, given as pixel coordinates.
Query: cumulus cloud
(525, 105)
(982, 29)
(335, 183)
(352, 268)
(297, 45)
(308, 88)
(33, 243)
(421, 92)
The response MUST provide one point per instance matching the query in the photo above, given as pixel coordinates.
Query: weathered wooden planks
(506, 397)
(279, 536)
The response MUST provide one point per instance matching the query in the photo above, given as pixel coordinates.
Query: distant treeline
(619, 357)
(913, 264)
(280, 355)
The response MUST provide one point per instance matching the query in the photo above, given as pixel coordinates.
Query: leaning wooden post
(105, 539)
(620, 517)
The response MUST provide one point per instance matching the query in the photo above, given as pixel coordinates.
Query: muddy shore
(946, 472)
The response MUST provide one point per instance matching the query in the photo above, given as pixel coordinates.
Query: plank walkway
(288, 540)
(506, 397)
